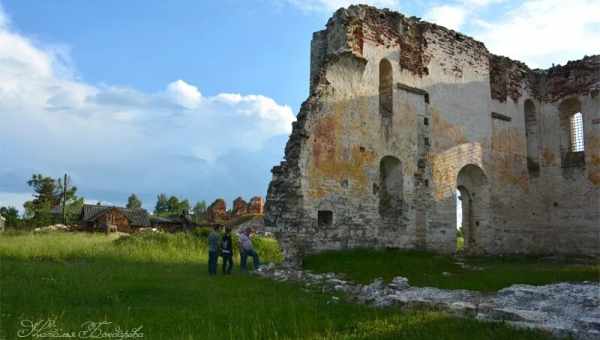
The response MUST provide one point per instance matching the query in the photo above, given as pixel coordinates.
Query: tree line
(50, 195)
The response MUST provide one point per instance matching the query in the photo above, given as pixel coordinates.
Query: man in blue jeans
(213, 250)
(246, 249)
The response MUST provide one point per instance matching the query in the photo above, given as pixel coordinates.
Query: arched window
(571, 134)
(577, 144)
(531, 133)
(386, 89)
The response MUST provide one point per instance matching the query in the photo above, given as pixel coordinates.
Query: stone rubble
(563, 309)
(53, 227)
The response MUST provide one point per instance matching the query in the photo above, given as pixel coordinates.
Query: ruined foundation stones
(563, 309)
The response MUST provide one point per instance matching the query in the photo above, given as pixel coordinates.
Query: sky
(196, 98)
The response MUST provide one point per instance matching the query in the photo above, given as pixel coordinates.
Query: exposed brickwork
(256, 205)
(217, 211)
(513, 79)
(576, 78)
(449, 127)
(240, 207)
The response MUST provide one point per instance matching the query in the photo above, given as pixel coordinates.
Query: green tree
(199, 211)
(11, 214)
(177, 207)
(133, 202)
(49, 194)
(171, 206)
(162, 205)
(183, 207)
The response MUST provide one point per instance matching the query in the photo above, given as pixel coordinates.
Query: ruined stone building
(404, 115)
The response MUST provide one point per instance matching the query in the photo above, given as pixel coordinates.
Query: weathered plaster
(449, 113)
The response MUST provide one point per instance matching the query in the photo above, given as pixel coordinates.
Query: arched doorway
(391, 192)
(473, 197)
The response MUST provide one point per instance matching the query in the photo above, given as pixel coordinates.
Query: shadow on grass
(425, 269)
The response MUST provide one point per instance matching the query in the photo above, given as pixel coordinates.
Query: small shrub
(201, 232)
(268, 248)
(460, 244)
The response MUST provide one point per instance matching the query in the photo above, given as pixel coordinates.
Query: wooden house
(106, 218)
(173, 224)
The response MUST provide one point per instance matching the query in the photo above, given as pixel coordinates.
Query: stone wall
(217, 211)
(256, 205)
(402, 113)
(240, 207)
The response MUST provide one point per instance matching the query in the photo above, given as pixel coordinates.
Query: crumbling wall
(240, 207)
(552, 207)
(217, 211)
(449, 111)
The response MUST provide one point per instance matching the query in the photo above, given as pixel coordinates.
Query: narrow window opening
(577, 143)
(325, 218)
(426, 121)
(531, 134)
(386, 89)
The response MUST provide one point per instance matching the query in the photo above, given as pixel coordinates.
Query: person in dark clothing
(227, 251)
(213, 250)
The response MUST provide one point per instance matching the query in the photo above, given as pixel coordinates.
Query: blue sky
(196, 98)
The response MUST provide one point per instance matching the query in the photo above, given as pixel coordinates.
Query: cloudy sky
(196, 98)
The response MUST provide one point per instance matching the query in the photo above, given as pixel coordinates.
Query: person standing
(227, 251)
(246, 249)
(213, 250)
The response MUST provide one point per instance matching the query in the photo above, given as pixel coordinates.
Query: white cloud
(119, 138)
(448, 16)
(332, 5)
(481, 3)
(541, 32)
(184, 94)
(455, 14)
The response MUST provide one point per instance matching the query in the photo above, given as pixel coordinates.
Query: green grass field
(160, 282)
(428, 270)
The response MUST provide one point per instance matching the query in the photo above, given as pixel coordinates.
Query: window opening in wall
(531, 134)
(460, 241)
(386, 89)
(325, 218)
(577, 144)
(391, 191)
